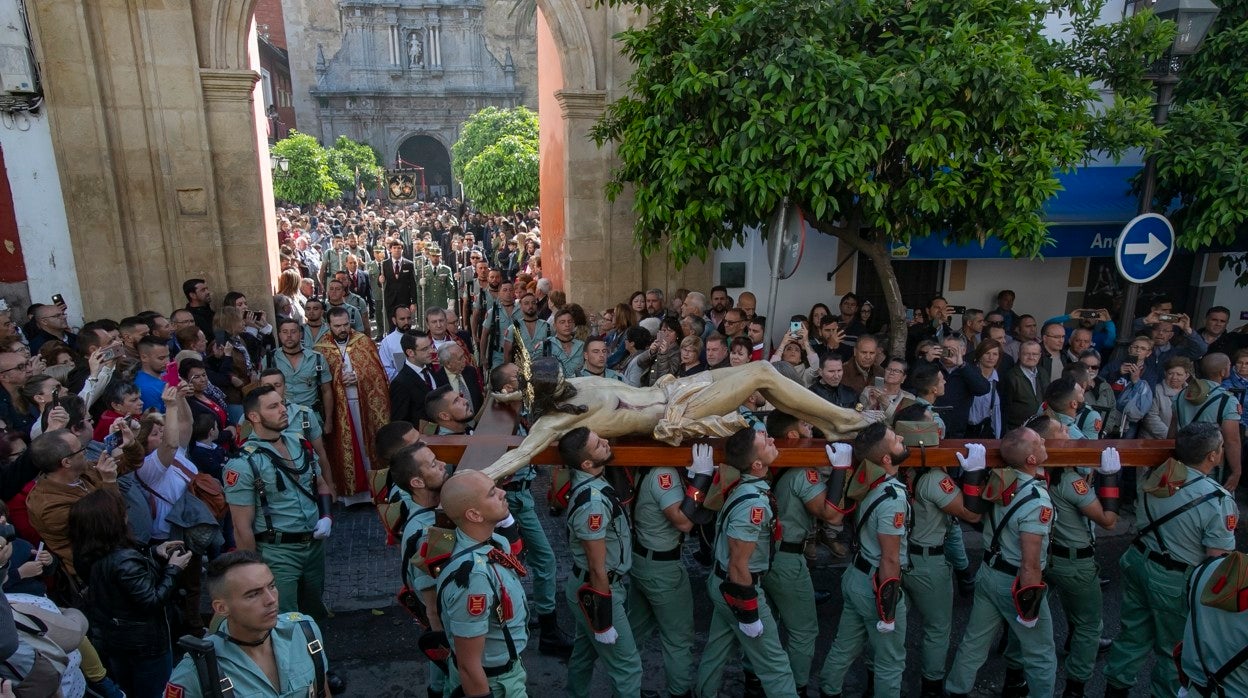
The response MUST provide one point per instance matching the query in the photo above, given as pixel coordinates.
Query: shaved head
(463, 493)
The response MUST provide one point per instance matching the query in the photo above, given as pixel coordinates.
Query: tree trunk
(876, 249)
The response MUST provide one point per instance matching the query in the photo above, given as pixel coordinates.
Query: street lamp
(279, 164)
(1194, 19)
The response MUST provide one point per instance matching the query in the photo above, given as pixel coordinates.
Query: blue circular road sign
(1144, 248)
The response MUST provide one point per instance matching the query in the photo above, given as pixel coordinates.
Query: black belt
(861, 564)
(1072, 553)
(998, 563)
(656, 555)
(492, 671)
(787, 547)
(1164, 560)
(283, 537)
(612, 577)
(932, 551)
(723, 574)
(516, 485)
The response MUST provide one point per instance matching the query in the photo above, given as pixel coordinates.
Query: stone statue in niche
(415, 51)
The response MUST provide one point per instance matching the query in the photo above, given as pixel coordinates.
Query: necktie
(396, 267)
(428, 378)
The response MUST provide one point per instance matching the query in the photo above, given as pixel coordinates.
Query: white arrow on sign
(1150, 249)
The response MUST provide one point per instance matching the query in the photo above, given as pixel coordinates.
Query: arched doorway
(429, 153)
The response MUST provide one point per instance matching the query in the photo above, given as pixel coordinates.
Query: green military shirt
(594, 513)
(933, 491)
(303, 384)
(793, 489)
(746, 516)
(357, 320)
(312, 335)
(940, 422)
(660, 489)
(478, 597)
(292, 510)
(533, 341)
(890, 517)
(1185, 537)
(1089, 422)
(1218, 633)
(304, 423)
(1224, 406)
(609, 373)
(1072, 430)
(295, 668)
(357, 301)
(1035, 515)
(1071, 490)
(414, 532)
(571, 361)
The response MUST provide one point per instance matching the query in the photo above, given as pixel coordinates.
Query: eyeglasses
(74, 453)
(18, 367)
(1055, 336)
(49, 317)
(1092, 367)
(894, 370)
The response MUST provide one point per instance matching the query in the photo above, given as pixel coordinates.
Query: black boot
(433, 694)
(824, 694)
(686, 694)
(554, 641)
(1015, 684)
(1074, 689)
(870, 689)
(336, 683)
(932, 688)
(966, 582)
(753, 685)
(801, 692)
(1112, 691)
(1104, 644)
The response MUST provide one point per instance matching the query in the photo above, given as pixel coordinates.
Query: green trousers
(993, 607)
(792, 594)
(929, 586)
(856, 630)
(299, 573)
(1077, 584)
(765, 653)
(659, 598)
(1154, 609)
(508, 685)
(539, 557)
(622, 660)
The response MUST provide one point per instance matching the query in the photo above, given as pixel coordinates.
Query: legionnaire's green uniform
(481, 596)
(747, 515)
(497, 319)
(438, 290)
(312, 335)
(930, 577)
(414, 576)
(285, 514)
(296, 648)
(1029, 511)
(884, 511)
(1155, 570)
(539, 556)
(1073, 572)
(1218, 406)
(303, 384)
(1072, 429)
(931, 409)
(304, 424)
(1215, 636)
(595, 513)
(1089, 422)
(357, 301)
(606, 373)
(790, 592)
(659, 595)
(333, 261)
(357, 320)
(532, 342)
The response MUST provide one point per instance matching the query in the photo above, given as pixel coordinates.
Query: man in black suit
(1023, 386)
(414, 381)
(963, 382)
(462, 377)
(398, 279)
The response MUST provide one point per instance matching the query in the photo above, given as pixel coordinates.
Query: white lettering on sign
(1103, 242)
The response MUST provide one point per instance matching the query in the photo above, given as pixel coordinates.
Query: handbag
(983, 429)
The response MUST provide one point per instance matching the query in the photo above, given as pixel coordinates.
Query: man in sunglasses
(67, 477)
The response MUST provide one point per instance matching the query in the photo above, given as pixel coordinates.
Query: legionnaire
(438, 287)
(746, 532)
(659, 595)
(258, 651)
(600, 542)
(1088, 419)
(875, 609)
(1009, 587)
(801, 499)
(1184, 517)
(1073, 572)
(533, 330)
(479, 593)
(1063, 398)
(1215, 638)
(1205, 400)
(307, 377)
(315, 325)
(303, 422)
(500, 314)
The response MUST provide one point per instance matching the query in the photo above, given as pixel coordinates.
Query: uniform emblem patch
(231, 477)
(1231, 522)
(1081, 487)
(595, 522)
(947, 486)
(173, 690)
(899, 519)
(812, 476)
(665, 481)
(476, 604)
(756, 515)
(1046, 515)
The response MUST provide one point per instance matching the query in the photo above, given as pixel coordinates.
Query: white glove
(1110, 462)
(754, 629)
(1027, 623)
(884, 626)
(323, 526)
(840, 455)
(974, 460)
(607, 637)
(703, 461)
(505, 522)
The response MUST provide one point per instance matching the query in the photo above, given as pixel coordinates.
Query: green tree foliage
(1203, 159)
(883, 119)
(346, 156)
(308, 180)
(487, 127)
(504, 177)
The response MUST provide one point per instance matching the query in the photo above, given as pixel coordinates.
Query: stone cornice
(228, 85)
(581, 104)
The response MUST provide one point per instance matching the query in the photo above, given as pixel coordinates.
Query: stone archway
(430, 153)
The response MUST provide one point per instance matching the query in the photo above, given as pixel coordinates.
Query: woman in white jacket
(1156, 424)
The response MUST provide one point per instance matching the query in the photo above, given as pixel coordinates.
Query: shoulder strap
(866, 514)
(318, 660)
(1154, 527)
(1221, 404)
(262, 495)
(409, 549)
(738, 500)
(577, 496)
(998, 527)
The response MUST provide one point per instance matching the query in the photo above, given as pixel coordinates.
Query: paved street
(373, 643)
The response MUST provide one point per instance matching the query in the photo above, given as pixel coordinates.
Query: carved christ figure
(415, 50)
(704, 404)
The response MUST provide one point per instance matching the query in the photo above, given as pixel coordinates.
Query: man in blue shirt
(153, 360)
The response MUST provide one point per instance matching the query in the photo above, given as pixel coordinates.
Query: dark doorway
(427, 152)
(919, 280)
(1106, 286)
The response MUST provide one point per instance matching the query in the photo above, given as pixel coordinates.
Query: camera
(795, 328)
(1168, 317)
(1089, 314)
